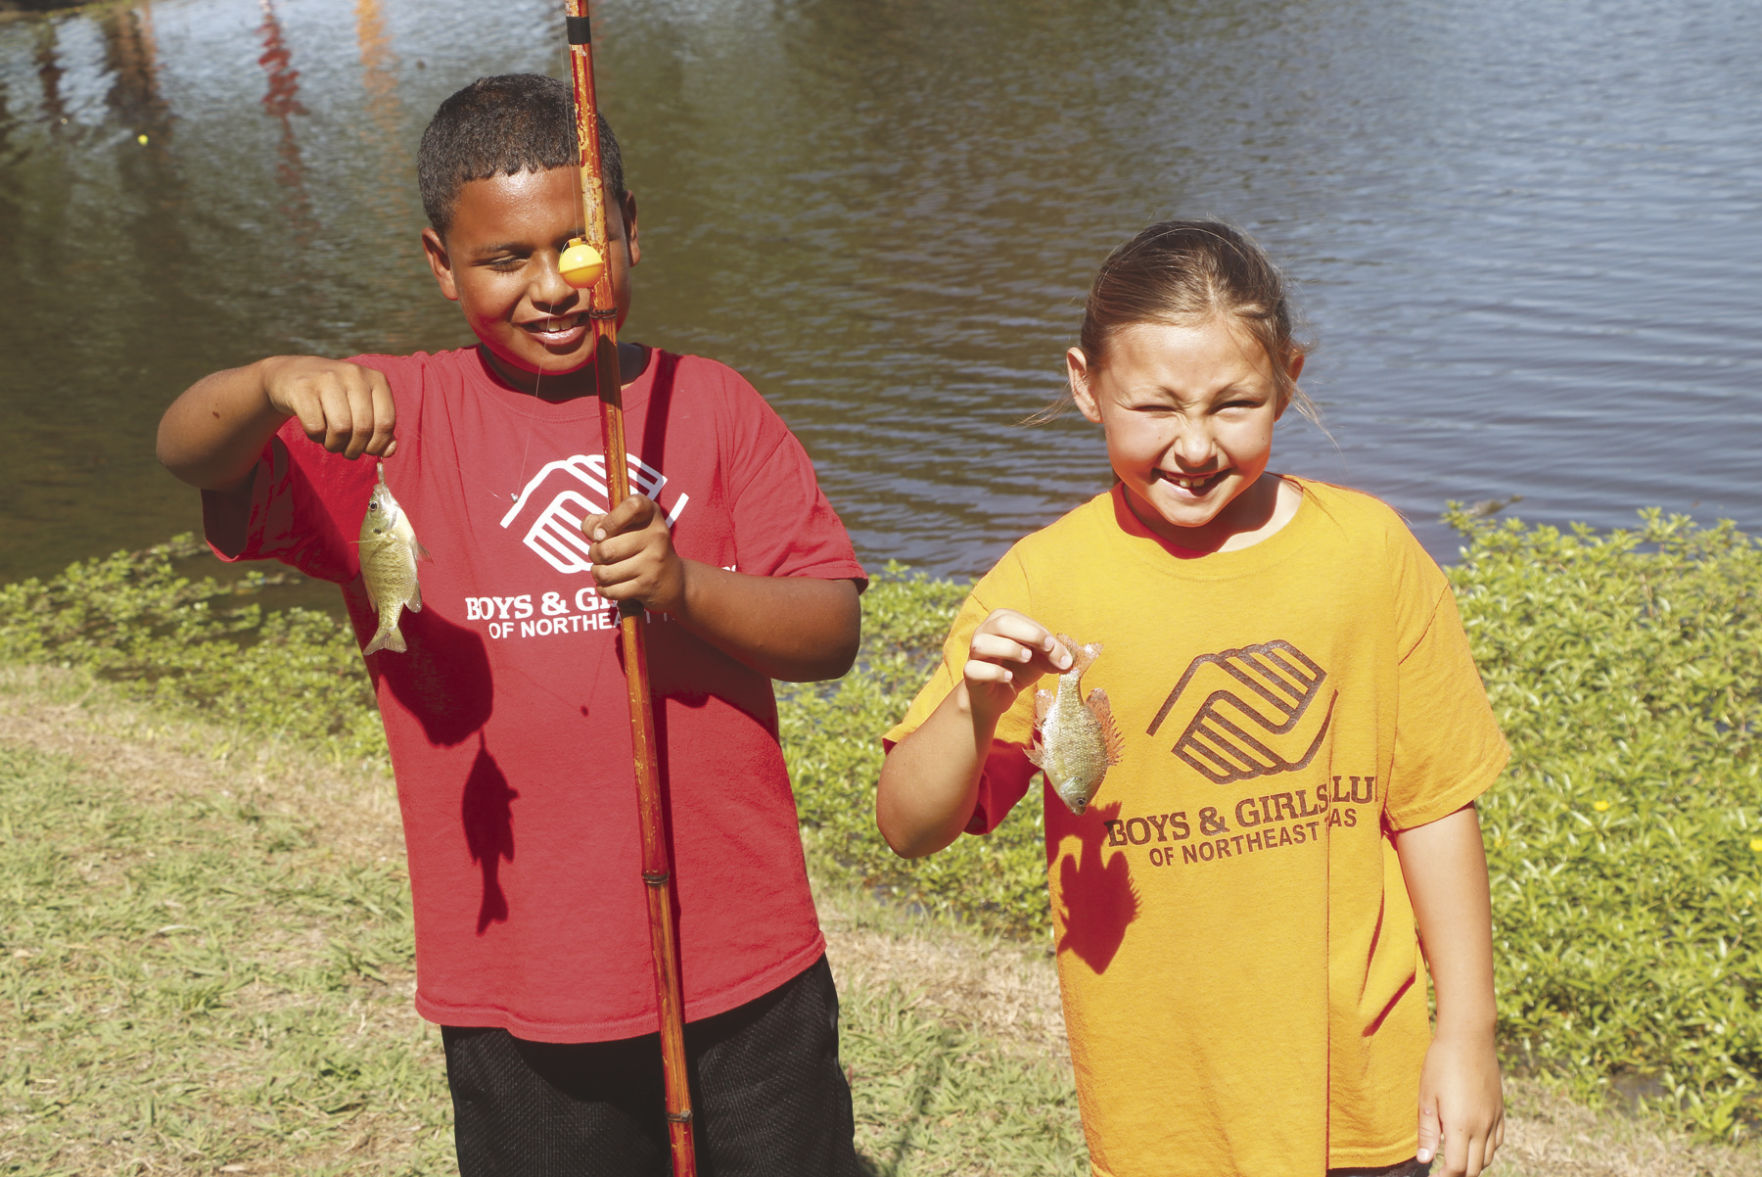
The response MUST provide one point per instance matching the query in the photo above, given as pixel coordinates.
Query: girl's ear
(435, 250)
(1293, 369)
(1079, 372)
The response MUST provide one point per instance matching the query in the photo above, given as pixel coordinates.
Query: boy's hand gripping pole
(584, 266)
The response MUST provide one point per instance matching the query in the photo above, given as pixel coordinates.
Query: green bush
(197, 644)
(1625, 841)
(832, 737)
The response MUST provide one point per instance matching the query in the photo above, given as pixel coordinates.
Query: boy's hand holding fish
(343, 407)
(212, 435)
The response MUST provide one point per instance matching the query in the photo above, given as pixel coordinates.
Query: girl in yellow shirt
(1246, 909)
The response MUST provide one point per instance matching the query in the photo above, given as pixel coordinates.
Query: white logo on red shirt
(572, 489)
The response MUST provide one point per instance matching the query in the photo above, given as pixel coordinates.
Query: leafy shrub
(832, 737)
(199, 644)
(1624, 842)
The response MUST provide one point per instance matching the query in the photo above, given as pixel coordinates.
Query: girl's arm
(1461, 1107)
(930, 780)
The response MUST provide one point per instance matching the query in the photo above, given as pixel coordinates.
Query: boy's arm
(930, 780)
(213, 433)
(794, 628)
(1461, 1107)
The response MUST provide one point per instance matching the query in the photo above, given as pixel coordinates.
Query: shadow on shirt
(1098, 897)
(443, 680)
(488, 813)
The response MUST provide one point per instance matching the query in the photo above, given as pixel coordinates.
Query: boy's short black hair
(501, 126)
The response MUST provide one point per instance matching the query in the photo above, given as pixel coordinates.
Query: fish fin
(1035, 756)
(1042, 705)
(414, 604)
(1110, 732)
(1081, 655)
(421, 552)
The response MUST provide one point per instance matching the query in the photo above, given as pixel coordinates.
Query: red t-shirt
(507, 719)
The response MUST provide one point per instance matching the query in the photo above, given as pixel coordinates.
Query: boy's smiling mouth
(556, 328)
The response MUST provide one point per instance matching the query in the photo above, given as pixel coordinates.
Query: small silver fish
(389, 552)
(1078, 739)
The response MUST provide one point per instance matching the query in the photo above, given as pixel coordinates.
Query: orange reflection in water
(379, 81)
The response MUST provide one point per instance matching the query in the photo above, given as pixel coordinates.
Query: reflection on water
(281, 100)
(130, 58)
(1523, 235)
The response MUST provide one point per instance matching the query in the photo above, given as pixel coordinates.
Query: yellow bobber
(581, 264)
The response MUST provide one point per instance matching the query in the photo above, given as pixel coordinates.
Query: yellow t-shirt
(1242, 982)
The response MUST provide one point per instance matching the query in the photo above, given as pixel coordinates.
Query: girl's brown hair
(1189, 272)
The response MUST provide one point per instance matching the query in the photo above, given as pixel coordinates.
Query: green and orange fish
(1078, 739)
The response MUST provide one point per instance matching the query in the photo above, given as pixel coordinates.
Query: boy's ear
(1077, 370)
(628, 212)
(435, 250)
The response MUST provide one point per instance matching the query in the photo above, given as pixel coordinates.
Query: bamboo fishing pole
(584, 266)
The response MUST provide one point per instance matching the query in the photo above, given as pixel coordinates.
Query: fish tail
(388, 638)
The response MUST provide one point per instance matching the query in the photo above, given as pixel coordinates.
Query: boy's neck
(556, 387)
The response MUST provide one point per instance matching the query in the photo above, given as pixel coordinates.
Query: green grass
(191, 979)
(934, 1098)
(206, 962)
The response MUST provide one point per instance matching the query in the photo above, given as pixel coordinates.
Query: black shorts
(768, 1096)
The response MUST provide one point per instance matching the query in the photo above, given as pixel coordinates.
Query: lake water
(1525, 237)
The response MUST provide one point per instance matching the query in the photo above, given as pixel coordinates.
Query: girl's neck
(1257, 514)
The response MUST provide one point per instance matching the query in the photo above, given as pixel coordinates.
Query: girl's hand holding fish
(633, 556)
(343, 407)
(930, 782)
(1008, 653)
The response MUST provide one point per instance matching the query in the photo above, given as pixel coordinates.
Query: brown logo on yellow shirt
(1253, 712)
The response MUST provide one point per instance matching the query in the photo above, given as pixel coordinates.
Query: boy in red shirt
(506, 717)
